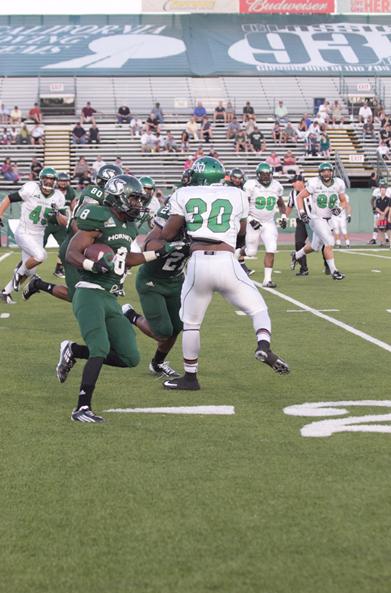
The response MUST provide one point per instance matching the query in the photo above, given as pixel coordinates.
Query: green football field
(253, 499)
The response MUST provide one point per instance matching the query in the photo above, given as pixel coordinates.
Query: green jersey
(171, 266)
(92, 194)
(113, 232)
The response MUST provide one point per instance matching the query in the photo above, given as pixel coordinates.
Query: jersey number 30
(217, 219)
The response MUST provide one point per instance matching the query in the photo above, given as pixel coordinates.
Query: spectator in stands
(257, 140)
(87, 114)
(229, 112)
(275, 162)
(38, 134)
(10, 171)
(248, 111)
(206, 129)
(5, 137)
(324, 112)
(123, 115)
(213, 153)
(24, 136)
(233, 128)
(160, 142)
(219, 113)
(324, 144)
(119, 162)
(148, 141)
(199, 112)
(79, 135)
(289, 134)
(170, 143)
(277, 133)
(192, 128)
(96, 165)
(281, 112)
(289, 164)
(383, 150)
(158, 113)
(241, 142)
(301, 130)
(365, 112)
(13, 133)
(82, 171)
(368, 130)
(307, 119)
(4, 114)
(249, 126)
(6, 165)
(136, 126)
(185, 141)
(313, 139)
(152, 123)
(199, 153)
(16, 116)
(93, 134)
(337, 118)
(35, 168)
(35, 114)
(188, 163)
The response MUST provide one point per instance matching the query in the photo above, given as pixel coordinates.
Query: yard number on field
(326, 428)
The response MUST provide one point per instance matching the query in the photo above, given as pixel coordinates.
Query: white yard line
(194, 410)
(5, 315)
(305, 310)
(2, 257)
(341, 324)
(364, 254)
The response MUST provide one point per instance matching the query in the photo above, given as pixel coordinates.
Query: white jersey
(376, 193)
(211, 212)
(323, 198)
(154, 206)
(263, 199)
(36, 207)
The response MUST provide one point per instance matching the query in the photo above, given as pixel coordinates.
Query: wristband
(87, 264)
(150, 255)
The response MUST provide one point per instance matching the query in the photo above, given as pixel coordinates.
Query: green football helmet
(47, 180)
(148, 186)
(63, 180)
(105, 173)
(206, 170)
(326, 172)
(124, 193)
(264, 174)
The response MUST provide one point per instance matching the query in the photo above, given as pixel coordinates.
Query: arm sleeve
(15, 197)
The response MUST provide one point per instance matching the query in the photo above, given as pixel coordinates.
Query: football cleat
(293, 260)
(272, 360)
(183, 383)
(337, 275)
(302, 273)
(248, 271)
(6, 298)
(85, 414)
(269, 284)
(59, 272)
(65, 362)
(372, 242)
(31, 287)
(163, 370)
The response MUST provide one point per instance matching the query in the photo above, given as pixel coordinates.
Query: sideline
(2, 257)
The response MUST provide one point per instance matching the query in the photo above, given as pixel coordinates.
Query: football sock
(90, 376)
(191, 369)
(22, 270)
(9, 287)
(262, 325)
(347, 242)
(79, 351)
(299, 254)
(267, 274)
(159, 357)
(44, 286)
(263, 338)
(331, 265)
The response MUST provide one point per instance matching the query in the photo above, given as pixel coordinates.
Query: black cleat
(85, 414)
(302, 273)
(248, 271)
(6, 298)
(186, 383)
(269, 284)
(31, 287)
(272, 360)
(337, 275)
(293, 260)
(372, 242)
(163, 370)
(65, 362)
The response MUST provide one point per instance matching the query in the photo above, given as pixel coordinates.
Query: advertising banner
(363, 6)
(170, 6)
(287, 6)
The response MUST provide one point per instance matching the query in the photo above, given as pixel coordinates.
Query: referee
(301, 234)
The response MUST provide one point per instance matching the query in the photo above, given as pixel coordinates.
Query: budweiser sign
(287, 6)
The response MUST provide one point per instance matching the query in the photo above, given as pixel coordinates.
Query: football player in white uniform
(265, 197)
(215, 217)
(41, 202)
(340, 224)
(326, 195)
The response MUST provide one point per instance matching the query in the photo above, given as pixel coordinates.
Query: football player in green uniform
(159, 285)
(53, 228)
(109, 338)
(92, 194)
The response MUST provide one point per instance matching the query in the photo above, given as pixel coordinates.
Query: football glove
(304, 217)
(349, 218)
(336, 211)
(255, 224)
(168, 248)
(283, 223)
(104, 265)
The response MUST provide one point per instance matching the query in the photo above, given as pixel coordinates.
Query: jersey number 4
(217, 219)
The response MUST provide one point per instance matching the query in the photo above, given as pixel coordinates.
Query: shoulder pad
(94, 192)
(92, 217)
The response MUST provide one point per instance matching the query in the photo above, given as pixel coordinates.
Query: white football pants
(268, 234)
